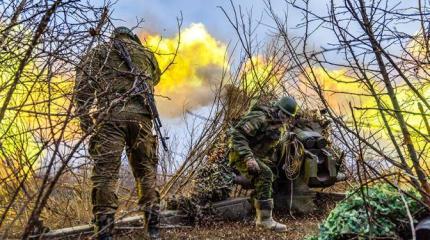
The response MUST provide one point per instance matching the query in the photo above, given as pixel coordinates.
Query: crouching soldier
(252, 143)
(102, 79)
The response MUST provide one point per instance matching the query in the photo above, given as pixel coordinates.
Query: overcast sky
(160, 15)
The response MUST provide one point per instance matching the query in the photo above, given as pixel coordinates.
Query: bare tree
(384, 77)
(41, 45)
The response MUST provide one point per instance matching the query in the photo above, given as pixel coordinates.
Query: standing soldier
(122, 120)
(252, 143)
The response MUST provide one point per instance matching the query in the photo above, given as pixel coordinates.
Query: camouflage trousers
(262, 181)
(133, 132)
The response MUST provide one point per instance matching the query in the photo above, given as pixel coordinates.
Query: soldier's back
(111, 77)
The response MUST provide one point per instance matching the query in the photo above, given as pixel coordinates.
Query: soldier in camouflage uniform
(102, 79)
(252, 143)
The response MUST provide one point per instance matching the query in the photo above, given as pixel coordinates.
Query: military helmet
(125, 31)
(122, 31)
(288, 105)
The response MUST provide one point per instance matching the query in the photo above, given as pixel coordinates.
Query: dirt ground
(298, 228)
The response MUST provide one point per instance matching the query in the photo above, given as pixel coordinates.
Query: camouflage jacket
(256, 134)
(102, 76)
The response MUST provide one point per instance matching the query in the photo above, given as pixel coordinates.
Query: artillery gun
(306, 160)
(310, 161)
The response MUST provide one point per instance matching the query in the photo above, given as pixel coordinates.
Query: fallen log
(170, 219)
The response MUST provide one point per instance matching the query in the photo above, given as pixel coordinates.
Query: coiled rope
(293, 155)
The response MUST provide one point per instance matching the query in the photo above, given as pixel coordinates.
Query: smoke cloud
(190, 82)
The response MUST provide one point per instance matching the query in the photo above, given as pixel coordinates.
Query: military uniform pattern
(102, 78)
(256, 135)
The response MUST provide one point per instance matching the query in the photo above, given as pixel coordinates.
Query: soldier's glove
(252, 166)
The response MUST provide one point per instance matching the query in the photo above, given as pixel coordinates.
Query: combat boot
(152, 219)
(264, 217)
(104, 225)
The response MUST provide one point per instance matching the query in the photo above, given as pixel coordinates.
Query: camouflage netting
(212, 183)
(380, 214)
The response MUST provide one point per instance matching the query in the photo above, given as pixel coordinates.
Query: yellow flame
(341, 88)
(197, 69)
(259, 74)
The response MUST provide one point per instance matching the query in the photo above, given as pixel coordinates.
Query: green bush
(386, 215)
